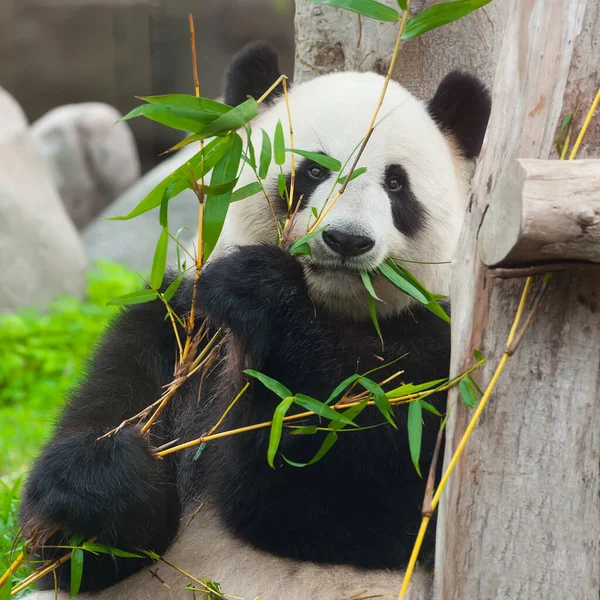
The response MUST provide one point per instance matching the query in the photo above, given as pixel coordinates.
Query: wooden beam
(542, 211)
(520, 516)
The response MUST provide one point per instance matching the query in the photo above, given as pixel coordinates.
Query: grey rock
(132, 242)
(92, 159)
(41, 256)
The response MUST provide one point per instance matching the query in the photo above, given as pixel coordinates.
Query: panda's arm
(113, 488)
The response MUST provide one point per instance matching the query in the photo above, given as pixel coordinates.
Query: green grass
(41, 356)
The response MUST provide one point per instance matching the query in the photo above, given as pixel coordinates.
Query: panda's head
(408, 204)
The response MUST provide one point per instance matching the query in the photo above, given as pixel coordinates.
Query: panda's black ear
(461, 108)
(252, 72)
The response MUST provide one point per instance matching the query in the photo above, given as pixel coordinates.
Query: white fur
(331, 114)
(206, 549)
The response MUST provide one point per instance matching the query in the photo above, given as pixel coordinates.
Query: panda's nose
(347, 244)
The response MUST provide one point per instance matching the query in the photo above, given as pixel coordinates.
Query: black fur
(410, 216)
(304, 184)
(251, 73)
(461, 107)
(359, 505)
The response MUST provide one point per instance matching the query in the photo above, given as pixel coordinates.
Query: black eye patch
(410, 216)
(309, 175)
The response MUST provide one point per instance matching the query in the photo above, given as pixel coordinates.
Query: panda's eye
(393, 184)
(316, 172)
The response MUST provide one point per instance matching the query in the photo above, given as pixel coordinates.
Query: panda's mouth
(338, 268)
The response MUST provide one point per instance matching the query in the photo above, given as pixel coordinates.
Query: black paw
(112, 489)
(253, 290)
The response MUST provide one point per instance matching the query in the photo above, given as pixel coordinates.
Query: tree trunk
(329, 39)
(520, 518)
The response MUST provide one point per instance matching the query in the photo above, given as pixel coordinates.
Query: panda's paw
(262, 282)
(109, 488)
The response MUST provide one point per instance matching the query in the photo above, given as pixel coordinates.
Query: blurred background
(68, 70)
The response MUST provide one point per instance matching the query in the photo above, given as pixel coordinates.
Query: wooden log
(541, 211)
(520, 518)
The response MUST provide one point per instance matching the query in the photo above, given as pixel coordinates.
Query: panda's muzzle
(346, 244)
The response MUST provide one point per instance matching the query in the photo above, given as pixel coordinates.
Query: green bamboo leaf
(200, 450)
(102, 549)
(139, 297)
(466, 393)
(173, 287)
(278, 145)
(219, 188)
(381, 400)
(251, 154)
(276, 428)
(438, 15)
(76, 564)
(436, 308)
(237, 117)
(303, 430)
(7, 585)
(167, 116)
(321, 159)
(265, 155)
(430, 408)
(272, 384)
(403, 283)
(159, 263)
(356, 173)
(216, 207)
(402, 5)
(341, 387)
(246, 191)
(281, 181)
(367, 8)
(373, 313)
(322, 409)
(201, 163)
(327, 444)
(301, 249)
(367, 282)
(410, 388)
(415, 432)
(304, 239)
(201, 108)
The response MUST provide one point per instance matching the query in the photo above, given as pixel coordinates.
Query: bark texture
(329, 39)
(521, 516)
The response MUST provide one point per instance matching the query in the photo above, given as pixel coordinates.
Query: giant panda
(340, 528)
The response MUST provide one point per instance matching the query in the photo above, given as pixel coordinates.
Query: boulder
(41, 256)
(92, 159)
(132, 243)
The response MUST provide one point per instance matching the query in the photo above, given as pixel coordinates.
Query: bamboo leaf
(327, 444)
(466, 393)
(76, 564)
(356, 173)
(237, 117)
(217, 206)
(303, 430)
(200, 450)
(194, 106)
(322, 409)
(276, 429)
(402, 283)
(367, 8)
(410, 388)
(438, 15)
(159, 264)
(402, 4)
(321, 159)
(139, 297)
(265, 155)
(303, 240)
(102, 549)
(278, 145)
(281, 180)
(201, 163)
(173, 287)
(381, 400)
(430, 408)
(415, 432)
(218, 189)
(341, 387)
(373, 313)
(367, 282)
(246, 191)
(272, 384)
(167, 116)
